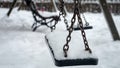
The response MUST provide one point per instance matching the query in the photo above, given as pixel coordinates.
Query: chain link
(56, 18)
(63, 14)
(68, 39)
(81, 8)
(60, 14)
(83, 34)
(65, 21)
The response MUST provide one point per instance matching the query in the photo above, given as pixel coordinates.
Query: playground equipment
(47, 21)
(65, 48)
(86, 25)
(62, 52)
(43, 20)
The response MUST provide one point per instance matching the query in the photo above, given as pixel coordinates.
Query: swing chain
(68, 39)
(62, 13)
(80, 5)
(56, 18)
(65, 21)
(83, 34)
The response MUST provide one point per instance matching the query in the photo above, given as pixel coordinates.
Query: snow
(76, 48)
(22, 48)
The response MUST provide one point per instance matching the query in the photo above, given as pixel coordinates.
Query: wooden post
(11, 8)
(109, 19)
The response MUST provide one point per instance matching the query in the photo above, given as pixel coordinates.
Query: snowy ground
(22, 48)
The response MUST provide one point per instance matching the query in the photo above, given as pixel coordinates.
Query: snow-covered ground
(22, 48)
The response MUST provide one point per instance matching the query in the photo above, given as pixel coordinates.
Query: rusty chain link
(81, 8)
(68, 39)
(56, 18)
(83, 34)
(61, 13)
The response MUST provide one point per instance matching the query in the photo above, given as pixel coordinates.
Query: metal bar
(11, 8)
(110, 21)
(20, 6)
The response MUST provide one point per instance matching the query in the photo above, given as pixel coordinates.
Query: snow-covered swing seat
(76, 54)
(66, 48)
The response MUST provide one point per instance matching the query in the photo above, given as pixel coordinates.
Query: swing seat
(85, 27)
(76, 53)
(75, 62)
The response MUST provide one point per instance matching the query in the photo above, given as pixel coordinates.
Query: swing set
(64, 44)
(39, 19)
(62, 41)
(63, 50)
(48, 21)
(87, 25)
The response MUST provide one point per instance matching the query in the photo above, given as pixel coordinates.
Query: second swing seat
(85, 27)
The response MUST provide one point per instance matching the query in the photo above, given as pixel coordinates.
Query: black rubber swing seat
(50, 39)
(85, 27)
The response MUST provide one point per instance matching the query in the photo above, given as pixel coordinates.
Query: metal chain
(65, 21)
(62, 12)
(56, 18)
(80, 6)
(68, 39)
(83, 34)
